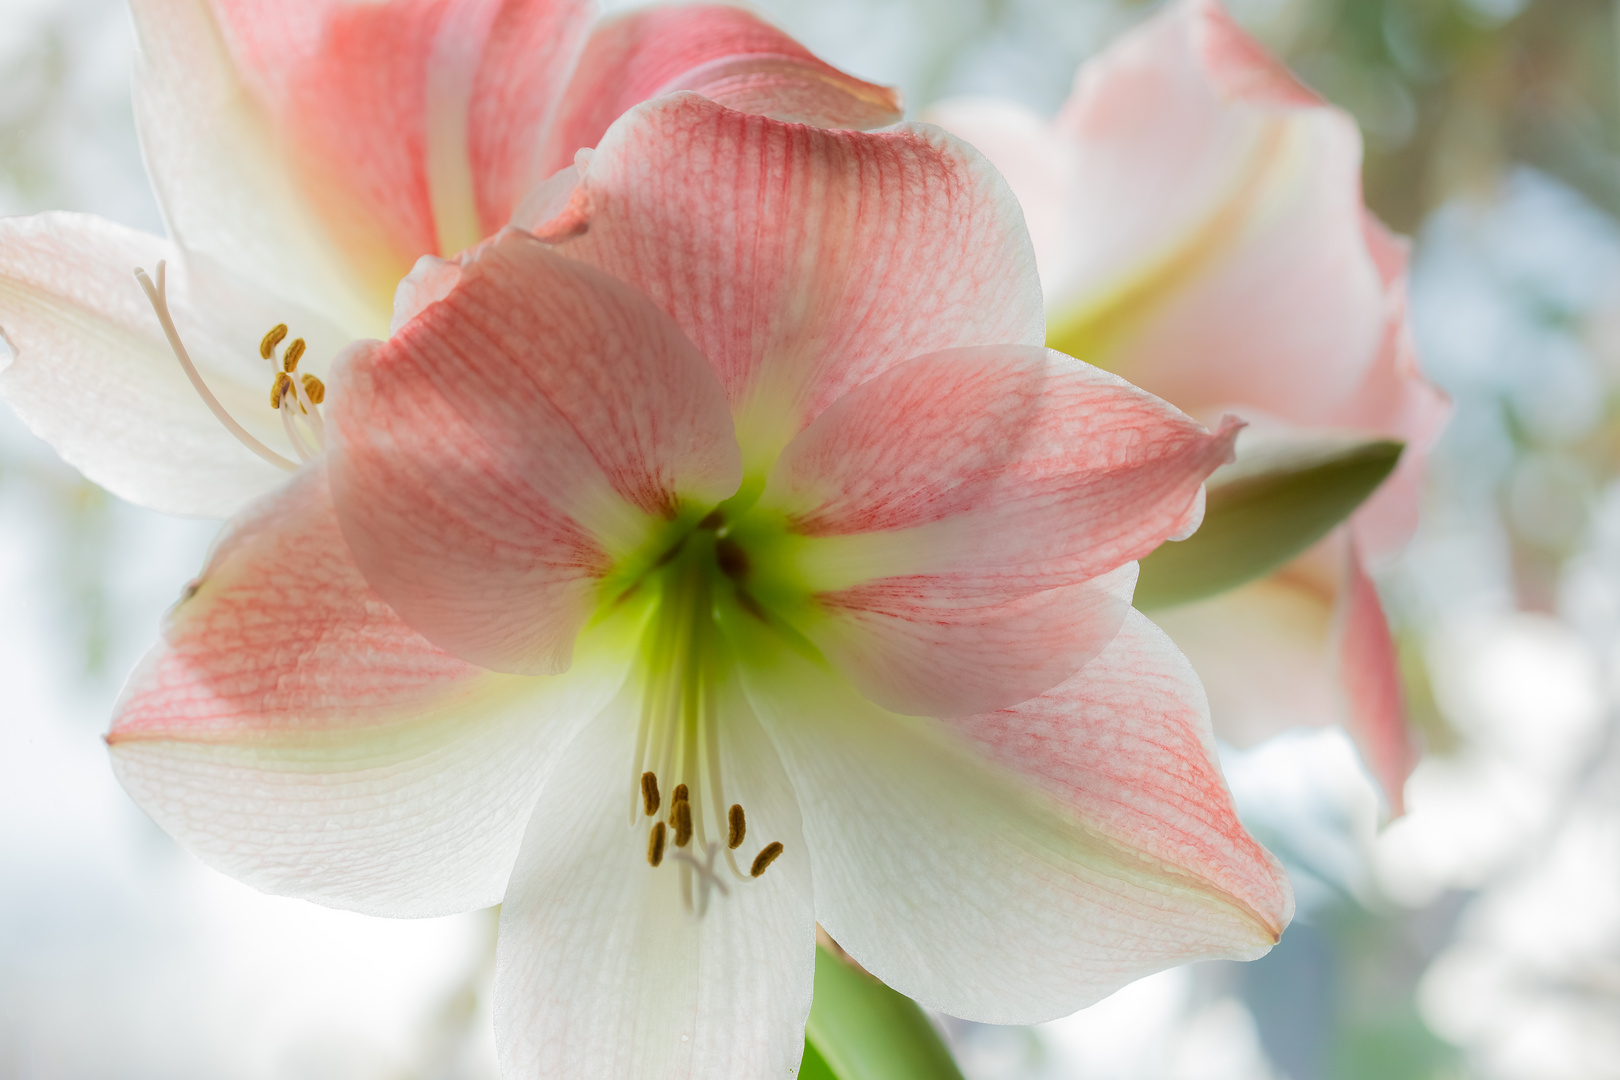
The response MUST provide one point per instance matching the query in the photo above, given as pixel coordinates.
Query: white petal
(601, 971)
(92, 375)
(965, 886)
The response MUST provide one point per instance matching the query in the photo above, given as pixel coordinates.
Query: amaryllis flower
(305, 155)
(1198, 222)
(738, 561)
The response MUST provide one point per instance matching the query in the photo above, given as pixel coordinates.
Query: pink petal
(495, 456)
(1370, 671)
(801, 261)
(1127, 745)
(724, 53)
(294, 733)
(1396, 400)
(411, 125)
(970, 494)
(1015, 867)
(915, 646)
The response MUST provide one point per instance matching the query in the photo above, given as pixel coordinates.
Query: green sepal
(1276, 500)
(860, 1029)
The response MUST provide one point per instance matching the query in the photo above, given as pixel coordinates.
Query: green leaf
(859, 1029)
(1280, 497)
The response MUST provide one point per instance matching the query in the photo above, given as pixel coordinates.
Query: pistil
(683, 674)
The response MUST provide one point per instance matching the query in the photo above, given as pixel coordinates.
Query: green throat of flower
(699, 585)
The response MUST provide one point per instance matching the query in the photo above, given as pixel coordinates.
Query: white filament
(158, 296)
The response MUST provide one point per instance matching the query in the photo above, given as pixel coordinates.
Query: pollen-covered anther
(655, 844)
(737, 827)
(314, 388)
(682, 794)
(766, 856)
(294, 353)
(281, 389)
(273, 337)
(680, 816)
(649, 793)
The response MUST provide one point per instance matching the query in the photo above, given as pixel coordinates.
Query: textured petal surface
(295, 734)
(953, 513)
(724, 53)
(602, 973)
(1003, 882)
(913, 647)
(324, 147)
(91, 374)
(801, 261)
(503, 447)
(1015, 468)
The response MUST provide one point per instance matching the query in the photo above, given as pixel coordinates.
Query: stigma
(297, 397)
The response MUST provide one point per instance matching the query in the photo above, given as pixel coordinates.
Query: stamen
(649, 793)
(272, 338)
(314, 388)
(281, 388)
(681, 817)
(739, 827)
(157, 295)
(294, 353)
(681, 795)
(655, 845)
(764, 859)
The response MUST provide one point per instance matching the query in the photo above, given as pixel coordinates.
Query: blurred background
(1478, 936)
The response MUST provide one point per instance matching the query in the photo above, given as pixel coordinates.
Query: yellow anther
(681, 817)
(655, 845)
(738, 827)
(314, 388)
(649, 793)
(267, 344)
(681, 795)
(294, 353)
(282, 387)
(764, 859)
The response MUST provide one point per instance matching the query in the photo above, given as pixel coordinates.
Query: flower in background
(737, 561)
(305, 156)
(1198, 224)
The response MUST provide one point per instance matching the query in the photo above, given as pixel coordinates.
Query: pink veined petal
(493, 458)
(379, 131)
(1006, 881)
(602, 974)
(803, 262)
(726, 54)
(1370, 672)
(960, 510)
(914, 647)
(294, 733)
(90, 372)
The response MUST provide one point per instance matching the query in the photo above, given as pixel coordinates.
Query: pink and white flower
(305, 155)
(736, 561)
(1198, 223)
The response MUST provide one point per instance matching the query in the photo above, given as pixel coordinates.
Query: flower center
(296, 397)
(686, 673)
